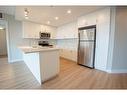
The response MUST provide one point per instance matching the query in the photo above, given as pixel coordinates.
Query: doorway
(3, 40)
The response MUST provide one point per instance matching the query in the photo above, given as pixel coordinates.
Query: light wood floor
(72, 76)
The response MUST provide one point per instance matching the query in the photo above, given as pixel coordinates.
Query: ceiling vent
(1, 16)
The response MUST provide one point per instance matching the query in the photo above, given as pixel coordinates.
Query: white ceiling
(42, 14)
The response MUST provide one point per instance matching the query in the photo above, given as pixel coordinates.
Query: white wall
(14, 37)
(111, 38)
(3, 44)
(119, 61)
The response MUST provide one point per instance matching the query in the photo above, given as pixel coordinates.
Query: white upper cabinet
(87, 20)
(67, 31)
(31, 30)
(95, 18)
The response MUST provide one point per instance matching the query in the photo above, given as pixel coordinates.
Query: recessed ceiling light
(56, 18)
(68, 11)
(48, 22)
(26, 13)
(26, 17)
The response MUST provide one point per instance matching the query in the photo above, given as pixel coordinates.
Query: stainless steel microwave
(45, 35)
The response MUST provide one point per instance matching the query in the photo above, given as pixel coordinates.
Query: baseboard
(102, 70)
(117, 71)
(16, 60)
(114, 71)
(108, 71)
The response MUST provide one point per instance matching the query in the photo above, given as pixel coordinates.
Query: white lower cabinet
(44, 65)
(69, 54)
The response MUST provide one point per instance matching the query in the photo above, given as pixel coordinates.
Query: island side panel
(49, 64)
(32, 61)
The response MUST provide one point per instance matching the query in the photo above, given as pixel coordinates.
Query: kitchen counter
(27, 49)
(43, 62)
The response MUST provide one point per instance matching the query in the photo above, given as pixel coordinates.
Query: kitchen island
(43, 62)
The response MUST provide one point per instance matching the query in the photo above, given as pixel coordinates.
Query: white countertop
(27, 49)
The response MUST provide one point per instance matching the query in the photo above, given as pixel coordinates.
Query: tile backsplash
(71, 44)
(31, 42)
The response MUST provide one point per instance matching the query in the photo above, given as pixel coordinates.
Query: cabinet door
(67, 31)
(31, 30)
(37, 29)
(69, 54)
(87, 20)
(52, 31)
(60, 33)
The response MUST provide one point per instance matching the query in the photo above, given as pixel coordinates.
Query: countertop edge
(32, 50)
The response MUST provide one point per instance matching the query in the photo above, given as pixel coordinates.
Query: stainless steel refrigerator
(86, 46)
